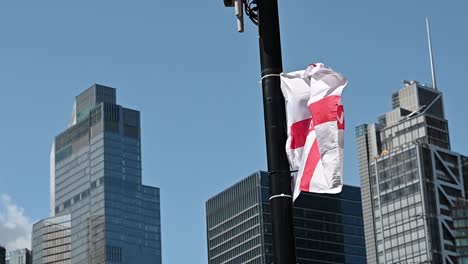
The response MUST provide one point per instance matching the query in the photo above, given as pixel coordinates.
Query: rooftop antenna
(429, 41)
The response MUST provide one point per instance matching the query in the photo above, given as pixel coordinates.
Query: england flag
(315, 121)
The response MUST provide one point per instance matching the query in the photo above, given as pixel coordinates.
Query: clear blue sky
(195, 81)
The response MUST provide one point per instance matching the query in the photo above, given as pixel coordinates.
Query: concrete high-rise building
(20, 256)
(328, 228)
(2, 255)
(99, 207)
(409, 180)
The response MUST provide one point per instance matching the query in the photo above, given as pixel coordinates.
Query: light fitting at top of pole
(239, 11)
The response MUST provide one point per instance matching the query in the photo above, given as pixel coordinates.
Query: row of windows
(57, 257)
(398, 194)
(63, 153)
(438, 142)
(137, 234)
(233, 206)
(328, 205)
(252, 224)
(111, 126)
(68, 203)
(245, 257)
(401, 216)
(62, 221)
(438, 134)
(117, 142)
(111, 112)
(138, 205)
(131, 131)
(325, 236)
(444, 177)
(394, 130)
(406, 251)
(398, 236)
(241, 217)
(328, 227)
(396, 182)
(235, 250)
(71, 134)
(72, 166)
(105, 94)
(402, 136)
(396, 169)
(57, 242)
(56, 235)
(66, 261)
(131, 117)
(461, 223)
(332, 248)
(219, 201)
(436, 122)
(71, 179)
(229, 242)
(140, 213)
(393, 170)
(398, 205)
(327, 257)
(461, 242)
(52, 228)
(84, 194)
(95, 116)
(114, 253)
(396, 159)
(57, 250)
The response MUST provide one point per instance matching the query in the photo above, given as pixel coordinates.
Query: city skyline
(127, 46)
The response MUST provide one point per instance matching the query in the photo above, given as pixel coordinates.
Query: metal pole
(429, 41)
(275, 130)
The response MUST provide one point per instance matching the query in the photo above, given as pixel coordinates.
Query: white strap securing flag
(315, 118)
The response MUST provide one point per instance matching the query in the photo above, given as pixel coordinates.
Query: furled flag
(315, 128)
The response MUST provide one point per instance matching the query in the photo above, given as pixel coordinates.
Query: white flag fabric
(315, 120)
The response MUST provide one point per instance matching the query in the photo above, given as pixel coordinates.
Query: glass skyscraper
(97, 190)
(328, 228)
(410, 179)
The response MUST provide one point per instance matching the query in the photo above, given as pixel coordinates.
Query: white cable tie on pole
(280, 196)
(269, 75)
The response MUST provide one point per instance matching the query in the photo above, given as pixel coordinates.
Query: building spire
(429, 41)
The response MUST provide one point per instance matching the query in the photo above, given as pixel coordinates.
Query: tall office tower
(2, 255)
(409, 180)
(20, 256)
(328, 228)
(96, 181)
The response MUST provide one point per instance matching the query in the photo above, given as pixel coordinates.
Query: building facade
(328, 228)
(2, 255)
(51, 240)
(460, 224)
(409, 180)
(96, 183)
(20, 256)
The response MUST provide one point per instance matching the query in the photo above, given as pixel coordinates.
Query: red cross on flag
(315, 117)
